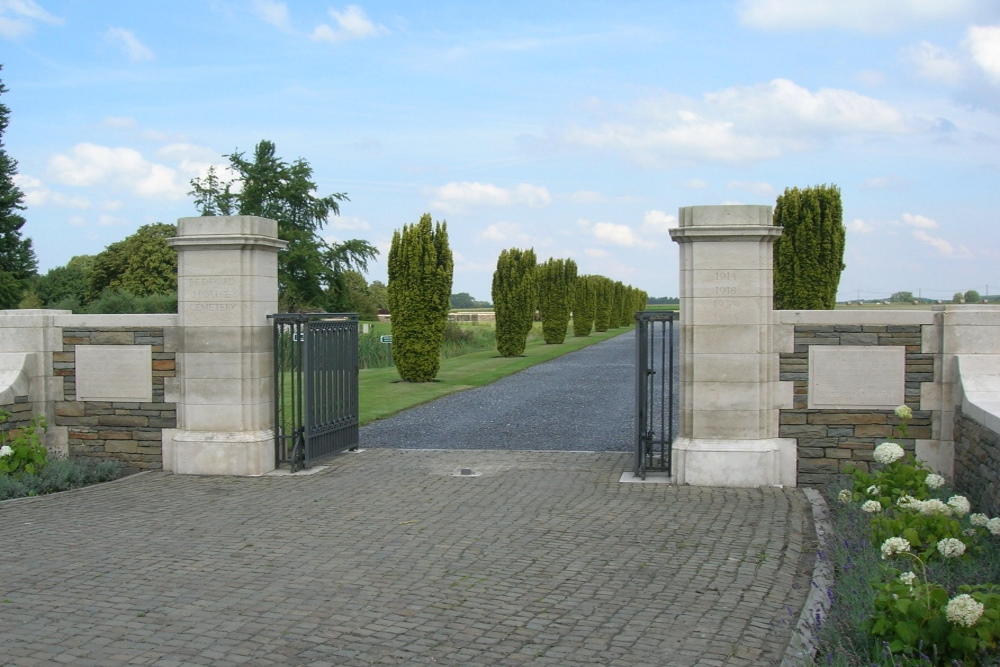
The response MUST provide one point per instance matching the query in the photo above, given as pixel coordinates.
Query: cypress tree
(17, 257)
(604, 292)
(420, 274)
(514, 300)
(555, 292)
(809, 255)
(583, 306)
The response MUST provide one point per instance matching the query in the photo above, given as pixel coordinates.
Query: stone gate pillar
(729, 398)
(227, 285)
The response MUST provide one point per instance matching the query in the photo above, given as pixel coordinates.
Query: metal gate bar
(316, 386)
(654, 391)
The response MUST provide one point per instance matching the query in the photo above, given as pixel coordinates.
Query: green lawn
(382, 393)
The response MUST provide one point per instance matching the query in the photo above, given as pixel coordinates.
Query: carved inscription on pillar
(212, 294)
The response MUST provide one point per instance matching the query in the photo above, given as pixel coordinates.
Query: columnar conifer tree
(604, 291)
(583, 306)
(556, 278)
(420, 274)
(17, 257)
(809, 255)
(515, 297)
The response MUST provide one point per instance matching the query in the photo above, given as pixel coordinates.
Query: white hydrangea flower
(993, 525)
(845, 496)
(873, 490)
(932, 507)
(969, 532)
(964, 610)
(934, 481)
(959, 505)
(904, 412)
(6, 451)
(906, 501)
(978, 520)
(888, 452)
(908, 578)
(871, 506)
(949, 547)
(893, 546)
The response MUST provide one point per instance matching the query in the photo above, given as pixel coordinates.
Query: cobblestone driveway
(387, 557)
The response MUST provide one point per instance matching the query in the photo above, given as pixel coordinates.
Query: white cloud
(36, 193)
(934, 63)
(757, 188)
(588, 197)
(105, 220)
(615, 234)
(129, 43)
(695, 184)
(861, 15)
(275, 13)
(658, 222)
(455, 197)
(737, 125)
(919, 221)
(90, 165)
(859, 226)
(870, 77)
(983, 43)
(352, 23)
(505, 231)
(18, 18)
(942, 246)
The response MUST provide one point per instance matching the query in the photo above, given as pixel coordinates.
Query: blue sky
(576, 128)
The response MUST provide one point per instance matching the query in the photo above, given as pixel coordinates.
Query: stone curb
(804, 643)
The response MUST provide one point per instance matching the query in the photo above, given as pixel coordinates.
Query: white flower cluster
(979, 520)
(845, 496)
(964, 610)
(873, 490)
(908, 578)
(904, 412)
(949, 547)
(934, 481)
(893, 546)
(993, 525)
(6, 451)
(959, 505)
(906, 501)
(932, 507)
(871, 506)
(888, 452)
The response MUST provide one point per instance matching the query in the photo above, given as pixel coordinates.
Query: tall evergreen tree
(310, 270)
(17, 257)
(556, 278)
(420, 274)
(583, 306)
(809, 255)
(514, 300)
(604, 292)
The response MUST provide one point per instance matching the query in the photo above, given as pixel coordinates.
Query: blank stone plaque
(851, 377)
(114, 373)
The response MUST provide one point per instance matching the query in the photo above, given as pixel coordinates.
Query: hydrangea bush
(919, 621)
(23, 453)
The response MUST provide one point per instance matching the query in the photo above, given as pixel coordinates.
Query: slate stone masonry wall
(129, 432)
(977, 463)
(830, 442)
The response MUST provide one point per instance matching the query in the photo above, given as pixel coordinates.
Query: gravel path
(581, 401)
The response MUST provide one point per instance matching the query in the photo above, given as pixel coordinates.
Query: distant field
(663, 306)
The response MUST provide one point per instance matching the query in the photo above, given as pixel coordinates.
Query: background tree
(972, 296)
(379, 294)
(358, 298)
(65, 286)
(901, 297)
(310, 270)
(514, 300)
(462, 300)
(141, 264)
(556, 278)
(958, 298)
(604, 291)
(583, 306)
(17, 257)
(420, 274)
(809, 255)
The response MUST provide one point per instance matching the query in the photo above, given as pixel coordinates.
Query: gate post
(730, 393)
(227, 285)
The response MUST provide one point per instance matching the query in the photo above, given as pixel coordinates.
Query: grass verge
(382, 393)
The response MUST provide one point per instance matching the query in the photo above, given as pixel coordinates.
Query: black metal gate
(655, 404)
(315, 386)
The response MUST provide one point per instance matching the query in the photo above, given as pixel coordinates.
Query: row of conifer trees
(553, 289)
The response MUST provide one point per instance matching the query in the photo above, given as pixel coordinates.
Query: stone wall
(128, 431)
(831, 442)
(977, 463)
